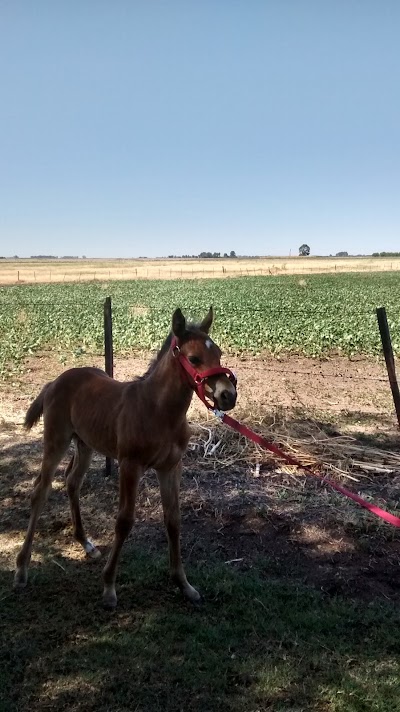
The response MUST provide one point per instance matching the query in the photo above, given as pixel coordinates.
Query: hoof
(109, 600)
(91, 551)
(193, 596)
(94, 554)
(109, 604)
(20, 579)
(199, 602)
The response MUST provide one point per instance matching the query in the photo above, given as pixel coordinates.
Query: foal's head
(194, 344)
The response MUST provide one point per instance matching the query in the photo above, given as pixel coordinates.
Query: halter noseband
(196, 379)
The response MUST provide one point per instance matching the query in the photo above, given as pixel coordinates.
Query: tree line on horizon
(304, 251)
(203, 255)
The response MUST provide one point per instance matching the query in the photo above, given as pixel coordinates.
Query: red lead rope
(198, 385)
(382, 513)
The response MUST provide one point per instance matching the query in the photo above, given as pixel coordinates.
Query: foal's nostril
(227, 399)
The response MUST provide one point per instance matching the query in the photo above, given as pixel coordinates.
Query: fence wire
(137, 312)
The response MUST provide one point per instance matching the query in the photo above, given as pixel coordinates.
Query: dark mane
(153, 363)
(191, 330)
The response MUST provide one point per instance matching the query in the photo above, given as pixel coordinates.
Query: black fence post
(109, 357)
(389, 358)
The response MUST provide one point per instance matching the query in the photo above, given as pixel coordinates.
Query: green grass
(256, 644)
(312, 315)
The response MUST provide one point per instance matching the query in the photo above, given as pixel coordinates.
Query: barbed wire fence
(140, 312)
(386, 348)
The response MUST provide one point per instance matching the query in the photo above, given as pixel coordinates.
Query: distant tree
(232, 253)
(342, 254)
(304, 250)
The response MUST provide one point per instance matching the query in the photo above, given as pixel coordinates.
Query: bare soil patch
(238, 505)
(354, 391)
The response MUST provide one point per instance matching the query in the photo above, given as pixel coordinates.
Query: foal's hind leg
(129, 475)
(169, 488)
(52, 455)
(74, 475)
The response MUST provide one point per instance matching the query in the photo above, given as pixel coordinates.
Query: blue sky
(133, 128)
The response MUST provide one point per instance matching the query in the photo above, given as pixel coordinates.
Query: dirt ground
(238, 505)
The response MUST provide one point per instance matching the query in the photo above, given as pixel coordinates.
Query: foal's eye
(194, 360)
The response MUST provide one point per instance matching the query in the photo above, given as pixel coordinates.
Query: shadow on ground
(300, 591)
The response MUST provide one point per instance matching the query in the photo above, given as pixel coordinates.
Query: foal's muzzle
(223, 392)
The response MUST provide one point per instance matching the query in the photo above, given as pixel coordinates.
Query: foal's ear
(207, 321)
(178, 324)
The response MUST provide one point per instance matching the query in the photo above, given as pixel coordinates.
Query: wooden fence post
(108, 357)
(389, 358)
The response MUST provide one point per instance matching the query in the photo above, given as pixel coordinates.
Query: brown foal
(142, 423)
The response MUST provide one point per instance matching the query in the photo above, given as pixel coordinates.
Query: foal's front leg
(169, 488)
(129, 475)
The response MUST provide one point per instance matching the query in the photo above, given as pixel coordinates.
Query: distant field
(83, 270)
(311, 315)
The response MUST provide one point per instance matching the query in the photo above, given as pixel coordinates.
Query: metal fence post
(389, 358)
(108, 357)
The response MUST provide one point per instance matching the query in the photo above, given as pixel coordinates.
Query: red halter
(197, 380)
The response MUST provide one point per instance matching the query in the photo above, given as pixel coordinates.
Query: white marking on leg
(88, 546)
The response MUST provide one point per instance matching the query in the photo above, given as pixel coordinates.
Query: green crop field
(312, 315)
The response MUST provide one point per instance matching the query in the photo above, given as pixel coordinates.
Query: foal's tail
(35, 409)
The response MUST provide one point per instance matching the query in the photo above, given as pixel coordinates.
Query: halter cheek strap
(197, 380)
